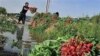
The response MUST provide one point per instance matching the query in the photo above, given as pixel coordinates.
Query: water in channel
(20, 42)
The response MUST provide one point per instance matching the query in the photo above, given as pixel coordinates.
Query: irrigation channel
(19, 43)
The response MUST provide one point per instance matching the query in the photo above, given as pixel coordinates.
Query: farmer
(22, 16)
(57, 14)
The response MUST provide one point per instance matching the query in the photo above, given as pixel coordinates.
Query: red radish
(64, 49)
(72, 48)
(75, 48)
(89, 45)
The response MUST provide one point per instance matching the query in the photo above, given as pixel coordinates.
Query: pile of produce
(75, 47)
(63, 46)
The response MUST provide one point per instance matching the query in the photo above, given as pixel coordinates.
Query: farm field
(65, 36)
(53, 35)
(49, 28)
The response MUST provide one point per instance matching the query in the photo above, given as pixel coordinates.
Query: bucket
(33, 9)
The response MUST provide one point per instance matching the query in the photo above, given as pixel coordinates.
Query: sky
(74, 8)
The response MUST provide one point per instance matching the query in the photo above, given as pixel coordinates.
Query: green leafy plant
(6, 25)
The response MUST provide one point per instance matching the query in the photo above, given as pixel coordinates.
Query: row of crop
(7, 25)
(58, 29)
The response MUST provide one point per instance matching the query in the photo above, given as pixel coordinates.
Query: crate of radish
(33, 9)
(76, 47)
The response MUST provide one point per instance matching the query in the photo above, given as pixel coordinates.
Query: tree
(3, 10)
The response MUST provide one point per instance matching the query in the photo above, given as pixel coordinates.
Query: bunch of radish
(74, 47)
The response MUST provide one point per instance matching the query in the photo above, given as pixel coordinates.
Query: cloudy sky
(74, 8)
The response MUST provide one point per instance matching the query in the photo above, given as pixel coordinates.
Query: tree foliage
(3, 10)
